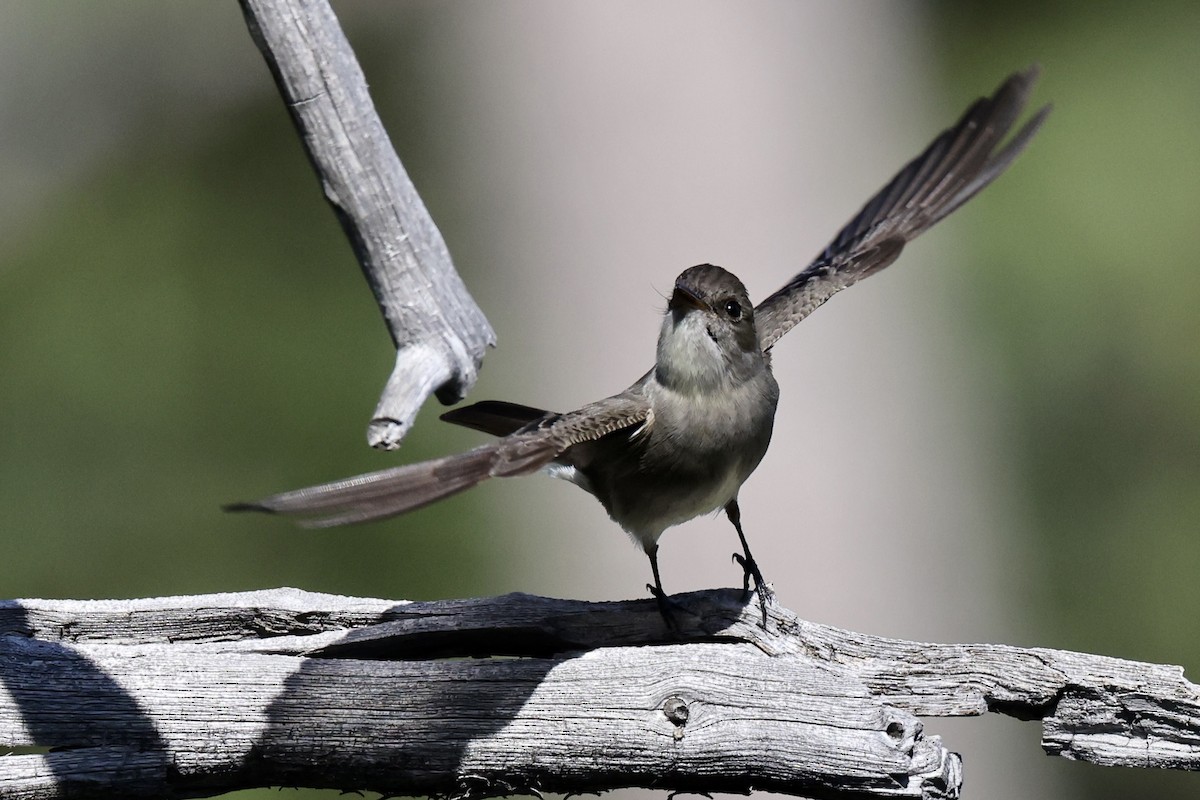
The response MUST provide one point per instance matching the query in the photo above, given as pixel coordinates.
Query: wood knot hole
(676, 711)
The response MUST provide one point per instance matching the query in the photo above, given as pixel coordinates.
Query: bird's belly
(695, 495)
(676, 471)
(647, 501)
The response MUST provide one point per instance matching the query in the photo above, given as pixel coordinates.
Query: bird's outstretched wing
(953, 169)
(389, 492)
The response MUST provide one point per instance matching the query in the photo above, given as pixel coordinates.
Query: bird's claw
(666, 607)
(761, 588)
(740, 560)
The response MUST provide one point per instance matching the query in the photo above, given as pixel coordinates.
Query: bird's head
(708, 339)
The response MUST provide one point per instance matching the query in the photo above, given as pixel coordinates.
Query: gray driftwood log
(439, 332)
(191, 696)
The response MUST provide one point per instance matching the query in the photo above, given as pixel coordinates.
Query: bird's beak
(683, 299)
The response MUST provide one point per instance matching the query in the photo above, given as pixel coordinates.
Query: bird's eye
(734, 309)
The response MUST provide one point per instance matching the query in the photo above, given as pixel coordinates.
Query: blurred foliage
(182, 344)
(1097, 335)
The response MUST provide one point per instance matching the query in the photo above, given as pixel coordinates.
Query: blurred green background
(182, 323)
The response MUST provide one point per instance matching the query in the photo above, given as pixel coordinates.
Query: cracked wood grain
(204, 694)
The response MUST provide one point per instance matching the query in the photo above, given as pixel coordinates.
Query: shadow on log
(471, 698)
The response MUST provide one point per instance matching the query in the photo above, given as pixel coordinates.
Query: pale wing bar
(955, 167)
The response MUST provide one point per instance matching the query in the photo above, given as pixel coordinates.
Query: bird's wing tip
(236, 508)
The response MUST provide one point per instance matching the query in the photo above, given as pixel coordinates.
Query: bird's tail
(378, 495)
(497, 417)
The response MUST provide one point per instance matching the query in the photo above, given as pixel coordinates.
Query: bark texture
(199, 695)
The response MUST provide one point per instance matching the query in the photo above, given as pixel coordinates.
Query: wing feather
(955, 167)
(389, 492)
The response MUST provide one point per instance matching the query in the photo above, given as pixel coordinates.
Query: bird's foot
(761, 587)
(666, 607)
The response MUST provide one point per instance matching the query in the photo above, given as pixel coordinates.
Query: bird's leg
(749, 565)
(664, 603)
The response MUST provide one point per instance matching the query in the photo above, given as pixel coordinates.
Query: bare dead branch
(439, 332)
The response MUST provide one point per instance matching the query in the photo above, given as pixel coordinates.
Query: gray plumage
(681, 440)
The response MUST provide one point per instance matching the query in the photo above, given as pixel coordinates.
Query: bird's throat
(690, 360)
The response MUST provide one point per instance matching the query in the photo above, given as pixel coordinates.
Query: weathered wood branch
(198, 695)
(439, 332)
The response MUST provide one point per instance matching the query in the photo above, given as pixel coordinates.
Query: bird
(682, 439)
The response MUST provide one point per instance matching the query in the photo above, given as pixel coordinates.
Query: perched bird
(682, 440)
